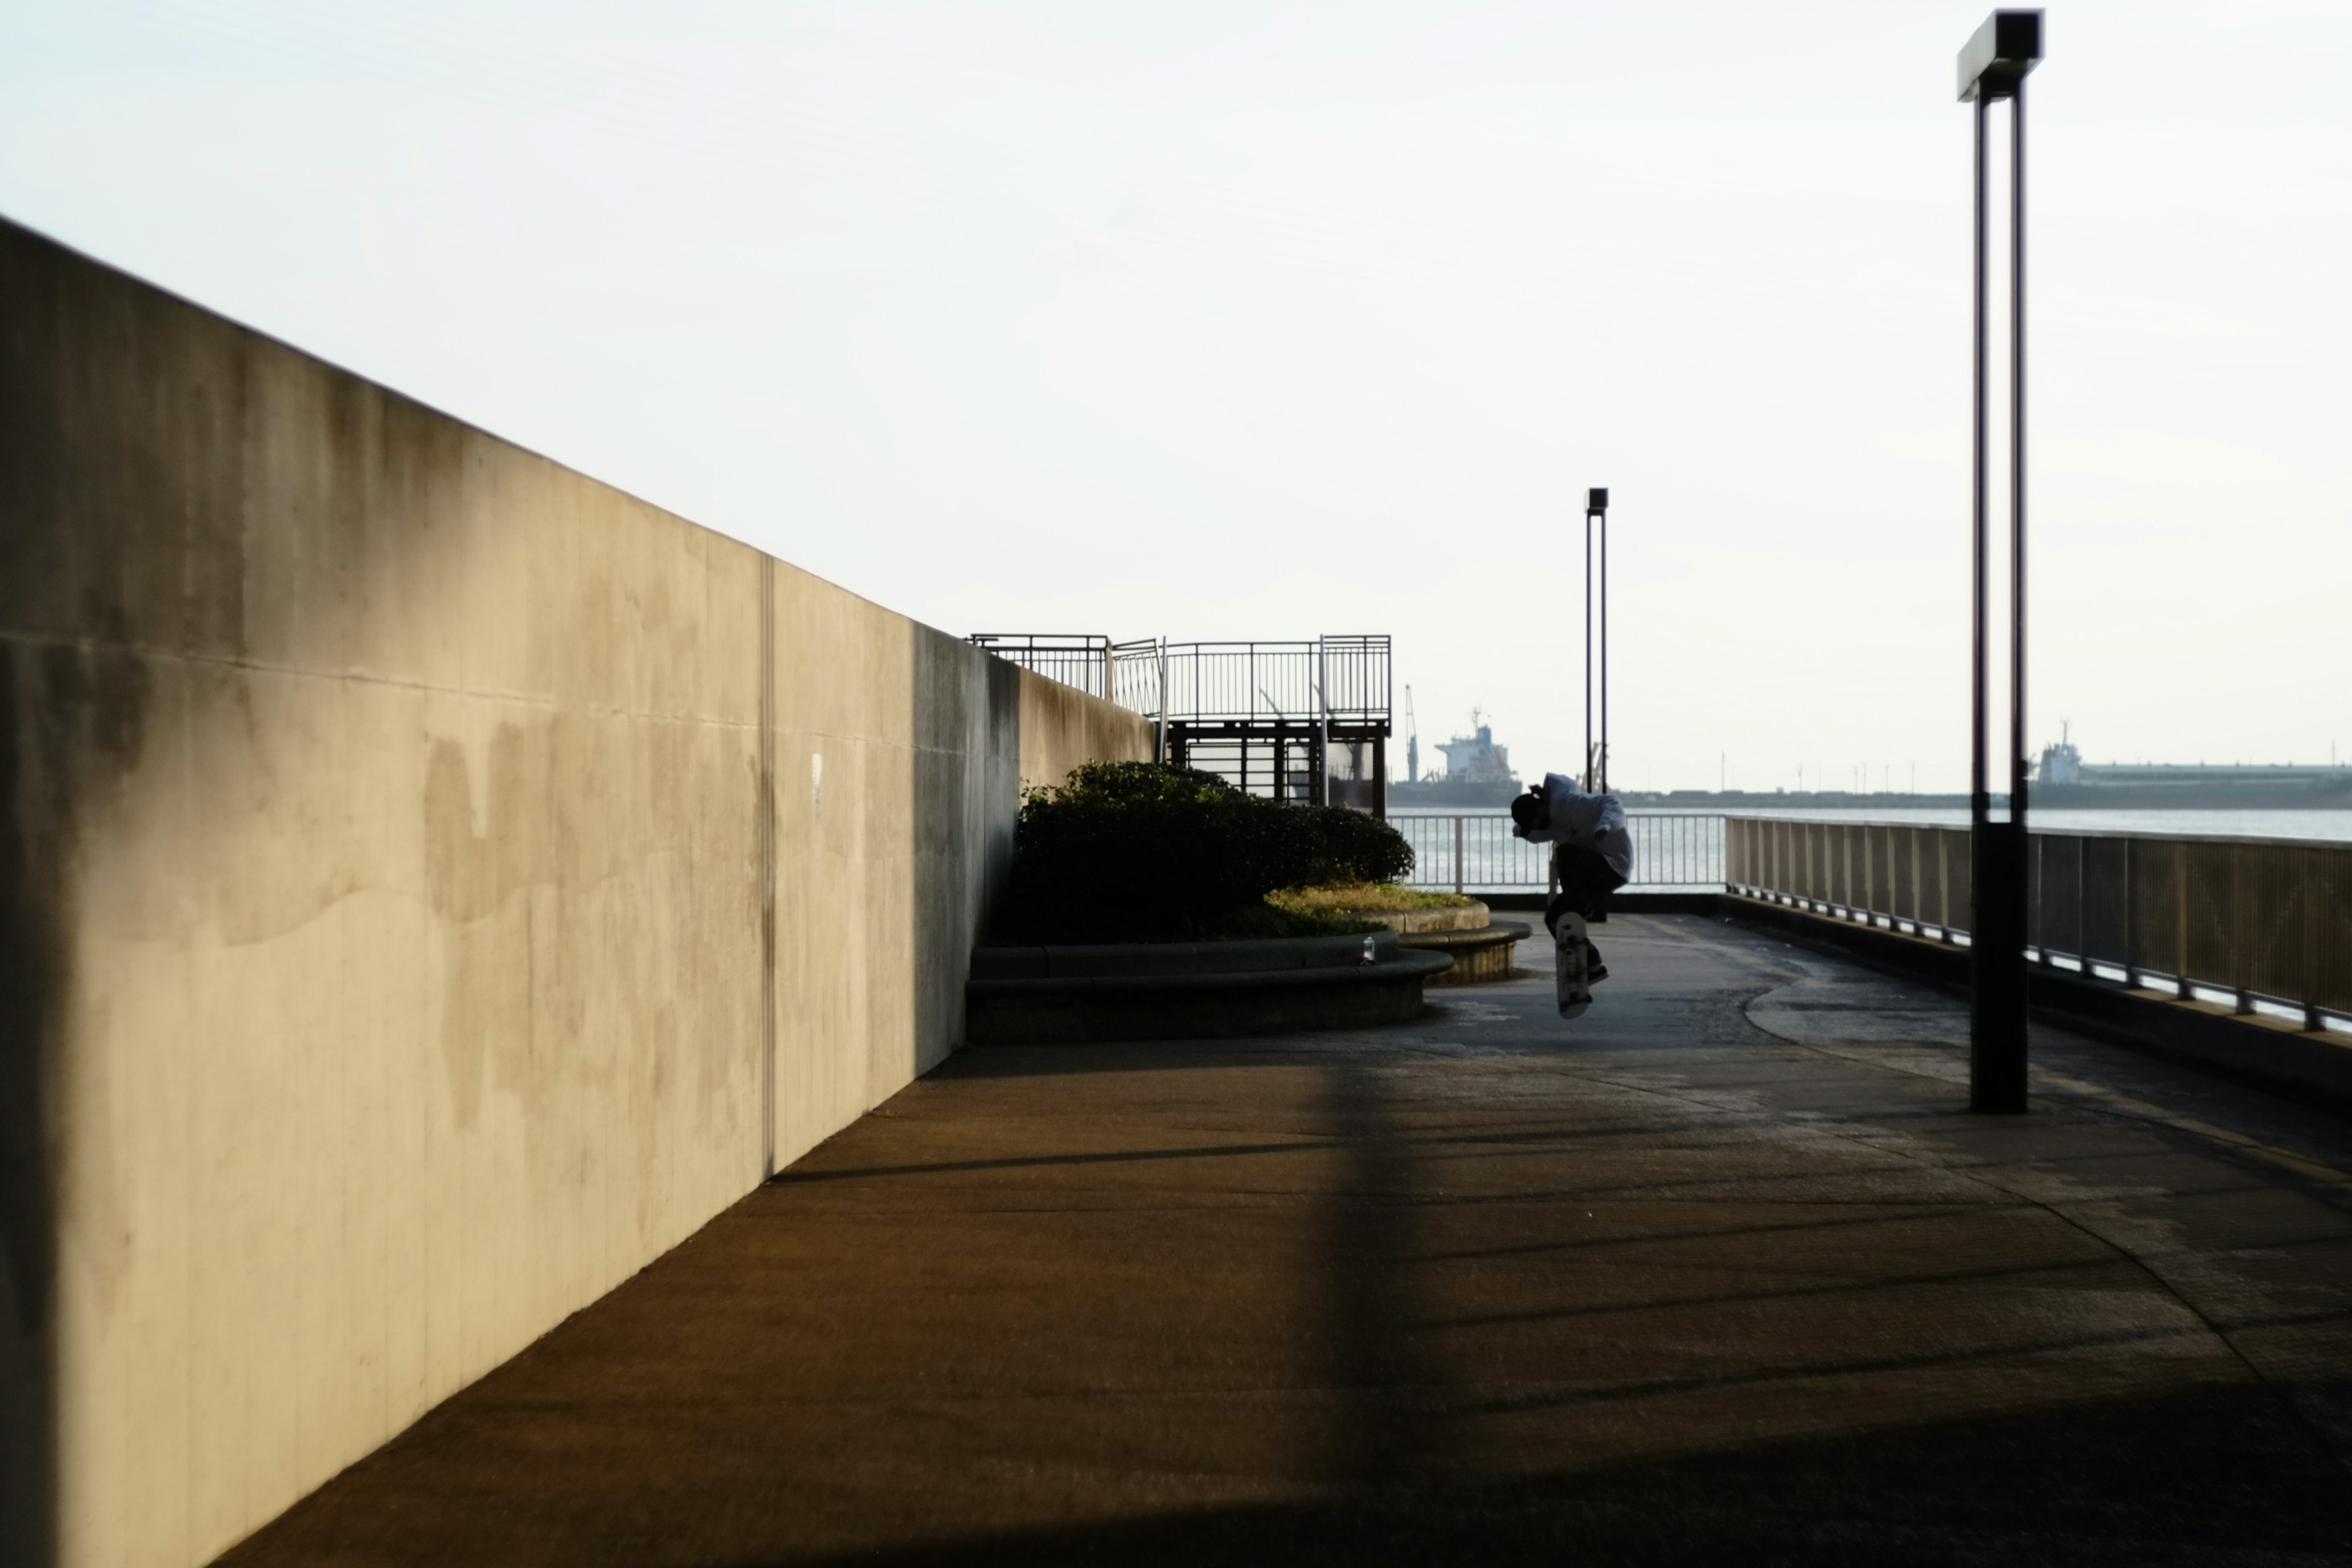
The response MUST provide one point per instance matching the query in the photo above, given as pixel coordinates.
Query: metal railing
(2261, 924)
(1345, 678)
(1342, 679)
(1474, 853)
(1074, 658)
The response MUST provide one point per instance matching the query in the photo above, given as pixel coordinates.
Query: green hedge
(1145, 852)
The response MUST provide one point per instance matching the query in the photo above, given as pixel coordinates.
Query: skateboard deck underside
(1570, 953)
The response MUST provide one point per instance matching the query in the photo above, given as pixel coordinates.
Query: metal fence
(1342, 679)
(1074, 658)
(2250, 921)
(1672, 851)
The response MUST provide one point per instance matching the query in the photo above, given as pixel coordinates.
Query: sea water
(1685, 848)
(2332, 827)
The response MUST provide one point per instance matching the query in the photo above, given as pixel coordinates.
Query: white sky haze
(1224, 320)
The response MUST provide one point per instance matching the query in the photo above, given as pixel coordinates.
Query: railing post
(2180, 916)
(2081, 903)
(2131, 916)
(1943, 885)
(1457, 853)
(2311, 1019)
(1869, 884)
(2242, 961)
(2037, 902)
(1919, 894)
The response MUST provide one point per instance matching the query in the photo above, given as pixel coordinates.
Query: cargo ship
(1477, 772)
(2063, 779)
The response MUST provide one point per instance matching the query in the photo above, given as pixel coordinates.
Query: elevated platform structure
(1304, 721)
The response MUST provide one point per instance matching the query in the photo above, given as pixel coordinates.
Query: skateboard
(1570, 951)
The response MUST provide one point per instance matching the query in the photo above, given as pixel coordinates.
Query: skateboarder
(1592, 856)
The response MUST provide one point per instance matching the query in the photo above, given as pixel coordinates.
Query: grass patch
(1371, 898)
(1255, 921)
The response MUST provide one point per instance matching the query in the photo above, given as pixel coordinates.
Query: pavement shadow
(2198, 1476)
(1375, 1355)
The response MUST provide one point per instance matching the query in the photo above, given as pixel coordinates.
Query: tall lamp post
(1596, 758)
(1994, 66)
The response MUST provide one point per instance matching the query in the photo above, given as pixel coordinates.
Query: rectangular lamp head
(1596, 501)
(2008, 46)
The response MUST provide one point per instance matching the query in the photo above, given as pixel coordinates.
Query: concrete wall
(395, 951)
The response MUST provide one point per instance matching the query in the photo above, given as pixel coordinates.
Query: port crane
(1411, 742)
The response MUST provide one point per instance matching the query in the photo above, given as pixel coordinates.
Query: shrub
(1145, 852)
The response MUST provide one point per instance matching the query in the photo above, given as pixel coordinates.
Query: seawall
(432, 884)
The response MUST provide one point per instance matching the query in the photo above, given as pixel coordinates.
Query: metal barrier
(2252, 922)
(1075, 659)
(1301, 720)
(1343, 680)
(1672, 851)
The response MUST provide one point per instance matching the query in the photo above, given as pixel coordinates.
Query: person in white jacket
(1591, 855)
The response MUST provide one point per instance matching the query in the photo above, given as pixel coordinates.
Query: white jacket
(1594, 820)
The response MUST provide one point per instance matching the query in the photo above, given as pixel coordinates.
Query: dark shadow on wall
(73, 715)
(71, 721)
(30, 982)
(963, 790)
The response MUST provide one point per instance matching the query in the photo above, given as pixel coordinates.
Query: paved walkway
(1720, 1273)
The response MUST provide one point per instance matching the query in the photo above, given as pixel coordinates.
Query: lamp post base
(1997, 978)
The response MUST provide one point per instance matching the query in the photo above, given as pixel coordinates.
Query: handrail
(1679, 851)
(2262, 923)
(1342, 680)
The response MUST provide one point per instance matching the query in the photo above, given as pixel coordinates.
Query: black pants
(1586, 882)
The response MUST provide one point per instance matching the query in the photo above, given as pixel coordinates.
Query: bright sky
(1260, 319)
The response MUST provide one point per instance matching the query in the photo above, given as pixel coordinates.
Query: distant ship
(1477, 772)
(2197, 786)
(2064, 779)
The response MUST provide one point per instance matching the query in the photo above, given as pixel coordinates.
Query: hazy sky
(1260, 320)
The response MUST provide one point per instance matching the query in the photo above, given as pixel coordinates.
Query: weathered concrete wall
(386, 959)
(1062, 727)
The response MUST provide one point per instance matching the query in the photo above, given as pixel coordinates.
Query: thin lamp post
(1993, 66)
(1159, 743)
(1596, 760)
(1322, 722)
(1604, 639)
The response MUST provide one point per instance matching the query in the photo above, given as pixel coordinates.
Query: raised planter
(1483, 949)
(1216, 990)
(1411, 923)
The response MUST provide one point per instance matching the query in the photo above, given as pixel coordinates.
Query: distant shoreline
(2045, 797)
(2051, 797)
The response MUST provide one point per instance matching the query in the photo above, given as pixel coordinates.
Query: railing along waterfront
(1474, 853)
(2261, 924)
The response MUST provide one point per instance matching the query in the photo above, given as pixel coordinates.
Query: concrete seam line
(367, 677)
